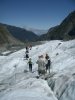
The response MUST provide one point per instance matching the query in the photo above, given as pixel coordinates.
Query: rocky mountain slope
(6, 37)
(20, 33)
(64, 31)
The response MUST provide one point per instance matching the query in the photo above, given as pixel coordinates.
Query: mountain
(6, 37)
(20, 33)
(64, 31)
(36, 31)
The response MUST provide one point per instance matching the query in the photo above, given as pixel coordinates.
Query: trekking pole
(15, 66)
(15, 72)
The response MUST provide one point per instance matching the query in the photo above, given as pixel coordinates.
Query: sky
(38, 14)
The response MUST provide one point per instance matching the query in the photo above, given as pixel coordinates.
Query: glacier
(17, 83)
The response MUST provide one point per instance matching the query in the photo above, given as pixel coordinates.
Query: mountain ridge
(62, 31)
(20, 33)
(6, 37)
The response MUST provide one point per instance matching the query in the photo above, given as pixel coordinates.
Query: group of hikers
(27, 57)
(43, 63)
(27, 52)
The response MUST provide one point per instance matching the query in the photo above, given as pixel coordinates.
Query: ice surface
(17, 85)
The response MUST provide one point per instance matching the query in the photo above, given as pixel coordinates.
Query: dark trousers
(30, 67)
(47, 68)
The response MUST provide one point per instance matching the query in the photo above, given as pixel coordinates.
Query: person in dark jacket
(27, 56)
(27, 49)
(30, 64)
(48, 63)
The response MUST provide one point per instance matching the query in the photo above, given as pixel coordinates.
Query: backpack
(30, 62)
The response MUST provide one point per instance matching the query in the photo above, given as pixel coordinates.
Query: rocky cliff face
(64, 31)
(6, 37)
(7, 41)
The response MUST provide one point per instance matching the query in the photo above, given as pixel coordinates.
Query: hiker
(30, 64)
(27, 49)
(41, 65)
(30, 47)
(48, 63)
(27, 56)
(47, 56)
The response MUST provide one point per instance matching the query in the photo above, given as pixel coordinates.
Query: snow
(30, 89)
(6, 52)
(17, 85)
